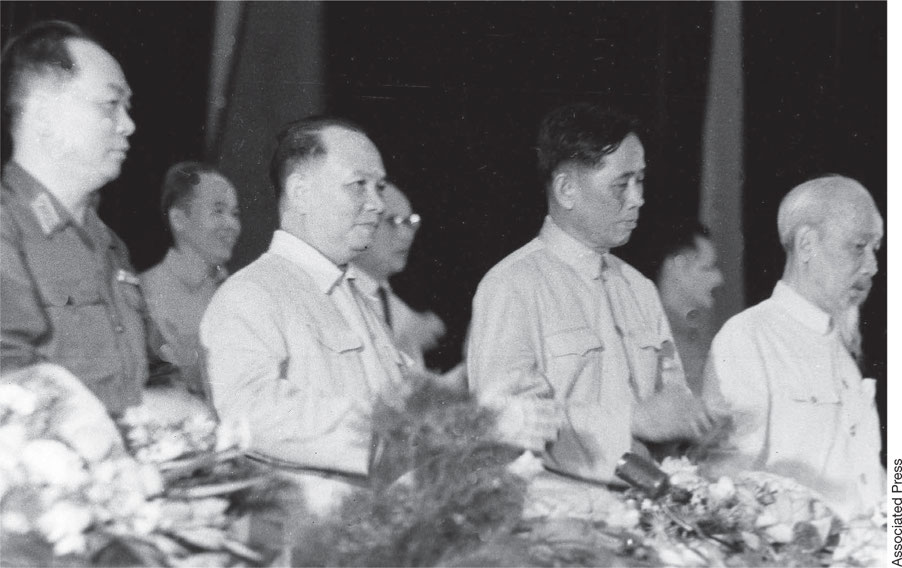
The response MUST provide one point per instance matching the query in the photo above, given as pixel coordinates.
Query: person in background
(569, 343)
(291, 344)
(684, 269)
(201, 208)
(786, 370)
(414, 332)
(68, 292)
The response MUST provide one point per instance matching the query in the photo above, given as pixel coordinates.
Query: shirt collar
(366, 283)
(801, 309)
(326, 275)
(48, 211)
(193, 271)
(583, 259)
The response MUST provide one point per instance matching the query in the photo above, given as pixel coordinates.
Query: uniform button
(120, 329)
(813, 399)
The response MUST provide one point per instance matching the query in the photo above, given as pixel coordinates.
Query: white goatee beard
(849, 330)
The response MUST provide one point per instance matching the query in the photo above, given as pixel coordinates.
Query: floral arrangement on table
(450, 496)
(72, 494)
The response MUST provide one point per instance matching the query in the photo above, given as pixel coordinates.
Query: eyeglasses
(412, 221)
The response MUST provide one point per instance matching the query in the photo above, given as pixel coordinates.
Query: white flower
(199, 426)
(169, 447)
(12, 437)
(18, 399)
(780, 533)
(70, 544)
(64, 519)
(92, 441)
(623, 516)
(723, 490)
(151, 480)
(127, 504)
(51, 461)
(147, 518)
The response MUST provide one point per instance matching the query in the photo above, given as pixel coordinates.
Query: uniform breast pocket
(74, 308)
(647, 354)
(341, 352)
(572, 354)
(805, 420)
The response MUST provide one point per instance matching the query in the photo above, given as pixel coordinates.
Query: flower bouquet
(71, 494)
(450, 496)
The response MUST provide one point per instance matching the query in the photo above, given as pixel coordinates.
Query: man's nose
(871, 264)
(718, 277)
(125, 124)
(374, 200)
(634, 196)
(233, 222)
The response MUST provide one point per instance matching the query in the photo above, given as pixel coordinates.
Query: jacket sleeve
(24, 323)
(736, 383)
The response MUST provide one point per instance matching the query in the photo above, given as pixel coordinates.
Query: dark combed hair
(179, 183)
(670, 237)
(299, 142)
(580, 132)
(39, 52)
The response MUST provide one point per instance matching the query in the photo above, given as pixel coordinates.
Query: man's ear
(178, 219)
(671, 269)
(679, 260)
(563, 189)
(297, 190)
(39, 112)
(803, 242)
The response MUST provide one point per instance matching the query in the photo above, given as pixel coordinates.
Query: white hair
(811, 204)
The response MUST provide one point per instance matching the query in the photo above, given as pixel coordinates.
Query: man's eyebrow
(627, 175)
(121, 90)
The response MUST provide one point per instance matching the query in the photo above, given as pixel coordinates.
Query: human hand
(432, 331)
(673, 413)
(528, 422)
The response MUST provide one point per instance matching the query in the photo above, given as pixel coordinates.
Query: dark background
(452, 94)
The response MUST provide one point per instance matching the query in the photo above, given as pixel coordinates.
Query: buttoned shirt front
(288, 349)
(550, 321)
(409, 329)
(70, 295)
(178, 290)
(798, 402)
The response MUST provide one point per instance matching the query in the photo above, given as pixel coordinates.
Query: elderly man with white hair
(786, 368)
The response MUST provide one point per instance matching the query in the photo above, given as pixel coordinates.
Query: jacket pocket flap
(573, 342)
(823, 395)
(647, 338)
(69, 293)
(339, 340)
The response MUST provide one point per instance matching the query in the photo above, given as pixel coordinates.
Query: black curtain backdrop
(453, 93)
(815, 103)
(164, 49)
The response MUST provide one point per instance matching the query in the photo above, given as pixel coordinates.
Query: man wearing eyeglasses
(414, 332)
